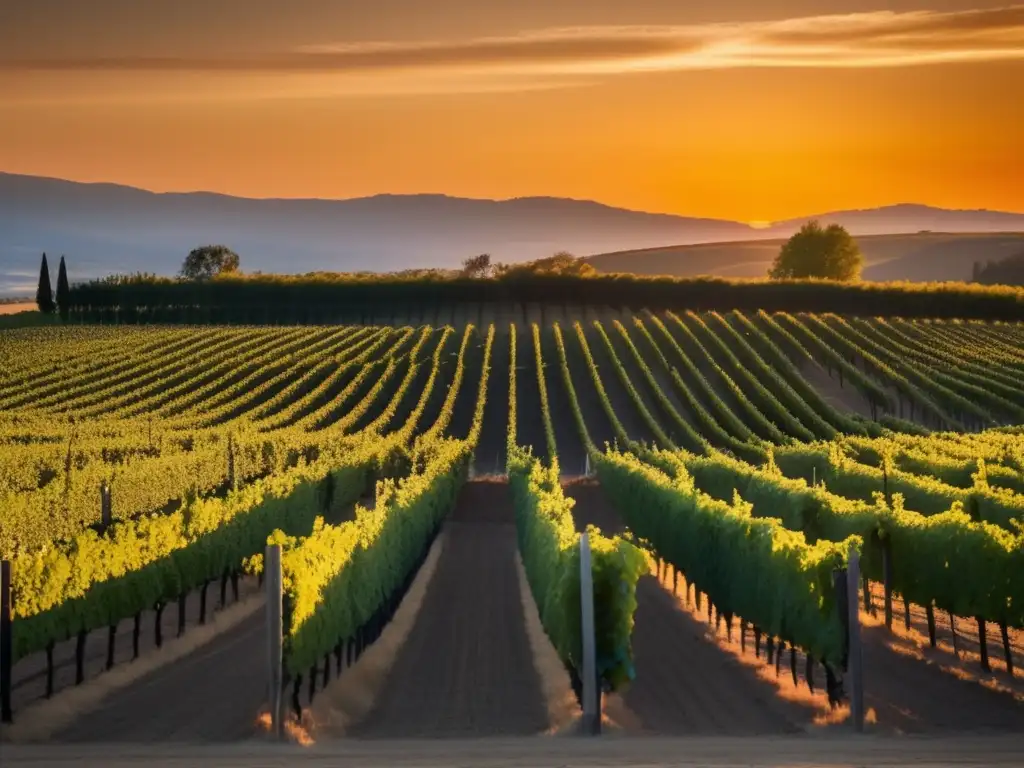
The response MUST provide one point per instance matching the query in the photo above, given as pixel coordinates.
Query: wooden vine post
(591, 712)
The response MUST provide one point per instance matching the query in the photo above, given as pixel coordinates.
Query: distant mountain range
(108, 228)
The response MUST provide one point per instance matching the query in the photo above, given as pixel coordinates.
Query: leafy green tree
(828, 252)
(63, 291)
(44, 293)
(477, 266)
(209, 261)
(562, 263)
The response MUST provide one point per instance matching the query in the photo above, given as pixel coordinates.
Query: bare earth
(547, 752)
(29, 674)
(688, 682)
(685, 684)
(843, 397)
(213, 694)
(466, 668)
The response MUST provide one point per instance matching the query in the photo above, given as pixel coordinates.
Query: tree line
(1008, 271)
(336, 297)
(817, 270)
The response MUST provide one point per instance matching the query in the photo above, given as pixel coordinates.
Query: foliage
(561, 264)
(347, 297)
(95, 580)
(44, 293)
(26, 319)
(968, 567)
(63, 292)
(828, 253)
(209, 261)
(1008, 271)
(336, 578)
(478, 266)
(550, 549)
(173, 418)
(749, 567)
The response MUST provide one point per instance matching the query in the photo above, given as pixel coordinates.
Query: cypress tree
(44, 294)
(63, 291)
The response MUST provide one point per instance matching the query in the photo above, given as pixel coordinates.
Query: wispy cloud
(528, 59)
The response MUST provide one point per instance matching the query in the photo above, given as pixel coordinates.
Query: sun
(759, 224)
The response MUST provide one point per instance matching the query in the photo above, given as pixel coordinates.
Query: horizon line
(761, 224)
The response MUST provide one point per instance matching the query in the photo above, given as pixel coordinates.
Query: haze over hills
(917, 257)
(108, 228)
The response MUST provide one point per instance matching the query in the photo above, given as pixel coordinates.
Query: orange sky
(742, 110)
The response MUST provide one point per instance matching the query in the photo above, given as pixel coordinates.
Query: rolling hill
(917, 257)
(108, 228)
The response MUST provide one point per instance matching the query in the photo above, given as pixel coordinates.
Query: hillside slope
(107, 228)
(921, 257)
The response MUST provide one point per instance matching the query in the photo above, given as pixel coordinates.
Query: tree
(209, 261)
(815, 251)
(562, 263)
(63, 291)
(1008, 271)
(44, 294)
(477, 266)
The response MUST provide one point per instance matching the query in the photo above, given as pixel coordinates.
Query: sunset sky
(738, 109)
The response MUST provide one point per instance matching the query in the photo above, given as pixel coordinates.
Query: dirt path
(906, 691)
(466, 668)
(911, 694)
(29, 674)
(571, 453)
(844, 398)
(965, 656)
(213, 694)
(774, 752)
(685, 683)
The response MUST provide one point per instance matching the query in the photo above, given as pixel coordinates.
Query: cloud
(915, 29)
(528, 60)
(545, 46)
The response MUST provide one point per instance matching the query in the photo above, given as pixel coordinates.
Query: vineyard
(731, 463)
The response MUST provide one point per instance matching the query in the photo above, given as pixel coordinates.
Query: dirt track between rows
(466, 668)
(686, 683)
(29, 674)
(728, 752)
(214, 694)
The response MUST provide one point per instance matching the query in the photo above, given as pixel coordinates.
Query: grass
(23, 316)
